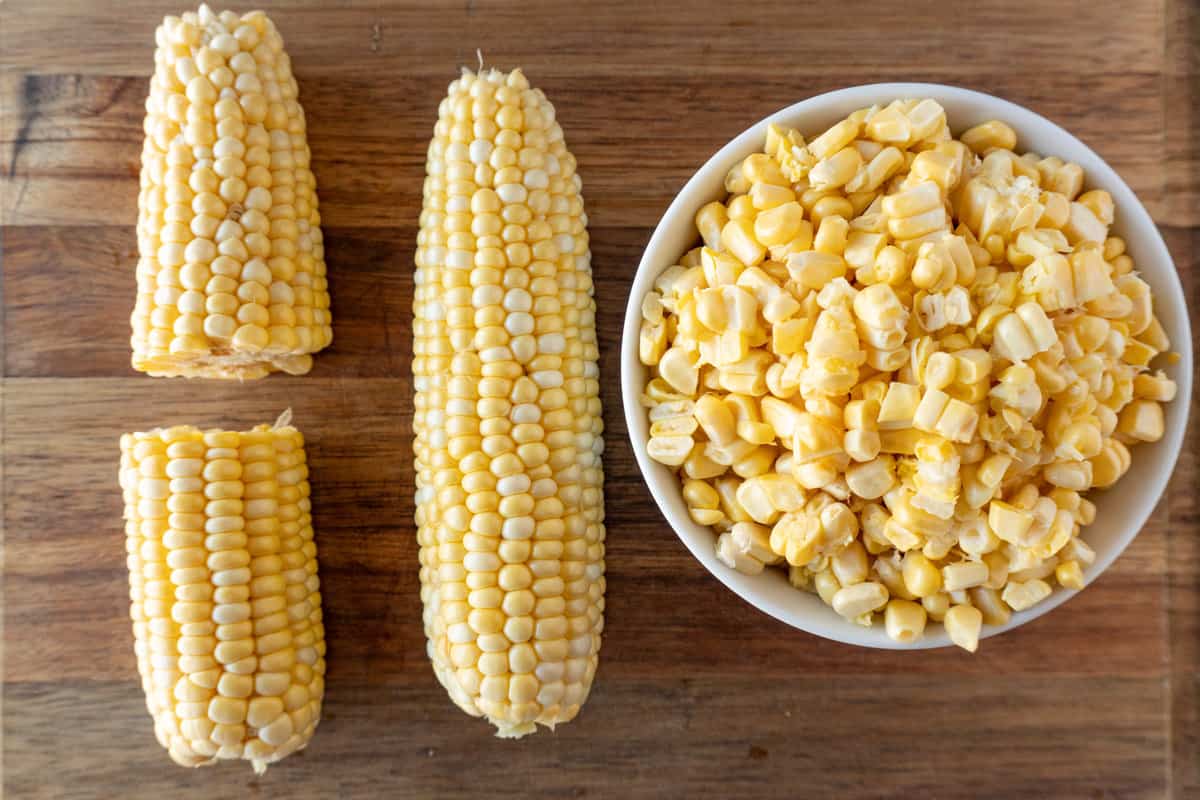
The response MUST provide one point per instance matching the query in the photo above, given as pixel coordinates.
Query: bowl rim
(699, 539)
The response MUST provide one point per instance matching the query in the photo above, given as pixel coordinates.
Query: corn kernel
(904, 620)
(963, 623)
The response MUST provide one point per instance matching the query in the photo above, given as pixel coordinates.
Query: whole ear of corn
(508, 429)
(231, 268)
(224, 592)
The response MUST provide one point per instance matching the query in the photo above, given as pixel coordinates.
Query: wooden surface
(698, 695)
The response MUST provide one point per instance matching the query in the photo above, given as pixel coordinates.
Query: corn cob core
(507, 423)
(231, 268)
(224, 592)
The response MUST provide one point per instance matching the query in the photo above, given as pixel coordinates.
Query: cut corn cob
(231, 267)
(508, 428)
(224, 592)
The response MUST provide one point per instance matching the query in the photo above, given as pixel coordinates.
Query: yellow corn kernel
(736, 181)
(891, 266)
(872, 479)
(850, 565)
(957, 422)
(830, 206)
(937, 165)
(921, 577)
(836, 170)
(652, 342)
(779, 224)
(738, 239)
(768, 195)
(904, 620)
(899, 406)
(1074, 475)
(1020, 596)
(813, 269)
(1110, 464)
(1084, 226)
(834, 139)
(899, 442)
(964, 575)
(710, 221)
(826, 585)
(699, 466)
(990, 135)
(927, 118)
(730, 553)
(1142, 420)
(861, 445)
(936, 606)
(761, 168)
(933, 403)
(1069, 575)
(741, 208)
(672, 418)
(852, 602)
(669, 450)
(815, 438)
(1157, 387)
(940, 370)
(962, 624)
(890, 125)
(995, 611)
(871, 176)
(887, 570)
(678, 368)
(1008, 521)
(831, 236)
(699, 494)
(913, 201)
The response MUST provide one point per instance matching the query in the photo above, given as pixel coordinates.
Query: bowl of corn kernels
(906, 365)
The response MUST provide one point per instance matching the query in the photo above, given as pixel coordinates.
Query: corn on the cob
(507, 423)
(224, 592)
(231, 268)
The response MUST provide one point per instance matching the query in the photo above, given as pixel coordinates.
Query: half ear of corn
(224, 592)
(231, 268)
(509, 482)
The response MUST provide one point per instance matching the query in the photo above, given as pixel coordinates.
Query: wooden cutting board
(698, 695)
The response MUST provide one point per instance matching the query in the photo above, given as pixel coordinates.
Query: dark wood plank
(1183, 562)
(623, 39)
(1182, 104)
(737, 737)
(637, 142)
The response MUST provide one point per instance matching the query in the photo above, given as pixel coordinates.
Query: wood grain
(698, 694)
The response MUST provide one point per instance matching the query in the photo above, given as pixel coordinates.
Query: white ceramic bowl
(1122, 510)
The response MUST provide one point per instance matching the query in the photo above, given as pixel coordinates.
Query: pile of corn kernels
(896, 365)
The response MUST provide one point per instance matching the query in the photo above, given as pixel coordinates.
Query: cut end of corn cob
(231, 265)
(225, 599)
(508, 428)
